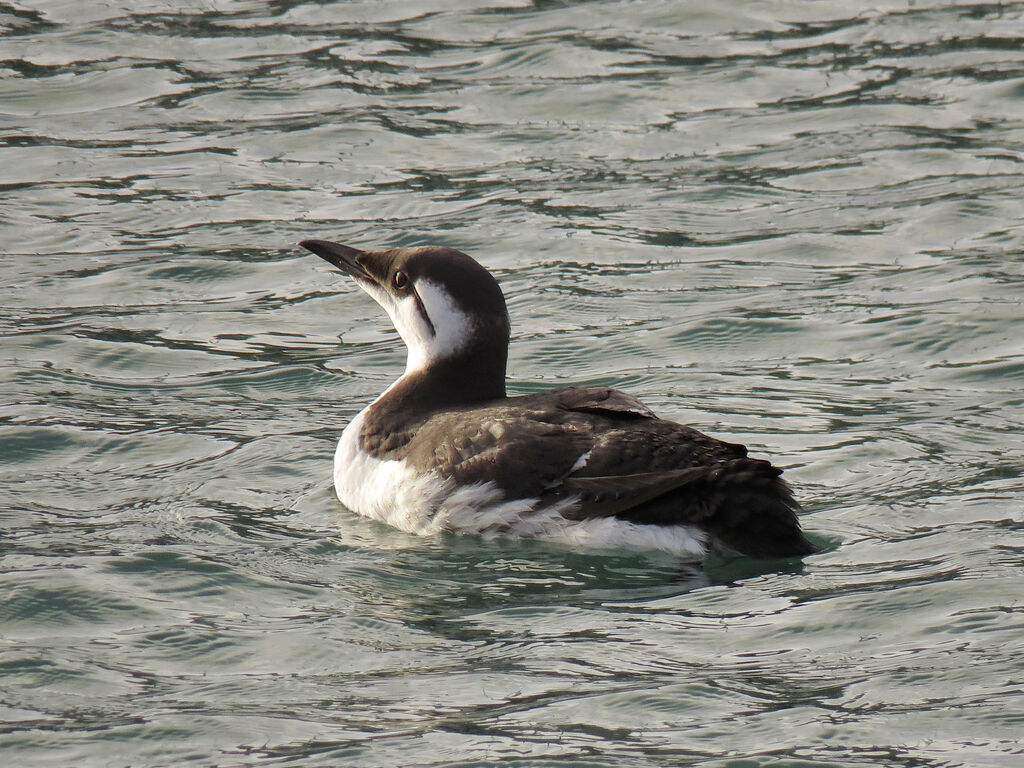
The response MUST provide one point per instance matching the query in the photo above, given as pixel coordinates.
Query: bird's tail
(751, 510)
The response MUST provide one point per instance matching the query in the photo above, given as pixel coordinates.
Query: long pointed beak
(340, 256)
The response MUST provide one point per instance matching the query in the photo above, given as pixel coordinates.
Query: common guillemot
(444, 449)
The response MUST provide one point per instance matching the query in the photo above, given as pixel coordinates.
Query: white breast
(426, 503)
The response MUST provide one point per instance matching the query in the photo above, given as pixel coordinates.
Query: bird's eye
(401, 280)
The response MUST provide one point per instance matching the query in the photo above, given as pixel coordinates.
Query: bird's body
(443, 448)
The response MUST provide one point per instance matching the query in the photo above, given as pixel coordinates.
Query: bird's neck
(467, 379)
(474, 376)
(391, 420)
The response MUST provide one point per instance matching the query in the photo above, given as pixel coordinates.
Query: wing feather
(607, 496)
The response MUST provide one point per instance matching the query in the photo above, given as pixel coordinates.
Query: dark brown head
(442, 302)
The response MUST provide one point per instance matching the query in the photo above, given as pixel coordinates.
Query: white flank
(426, 504)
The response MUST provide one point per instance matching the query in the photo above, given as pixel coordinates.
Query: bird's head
(442, 302)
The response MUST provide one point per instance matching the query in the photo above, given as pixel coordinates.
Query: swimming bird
(445, 449)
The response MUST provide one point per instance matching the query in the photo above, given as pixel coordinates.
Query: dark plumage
(450, 416)
(641, 468)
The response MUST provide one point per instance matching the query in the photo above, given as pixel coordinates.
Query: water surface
(796, 225)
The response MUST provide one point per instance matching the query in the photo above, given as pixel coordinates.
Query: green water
(798, 225)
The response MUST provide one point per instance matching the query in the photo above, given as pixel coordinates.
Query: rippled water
(795, 224)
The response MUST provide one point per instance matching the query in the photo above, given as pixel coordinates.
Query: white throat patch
(451, 327)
